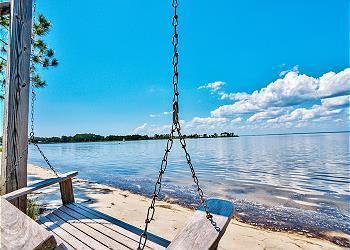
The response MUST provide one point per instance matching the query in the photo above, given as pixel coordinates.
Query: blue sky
(114, 75)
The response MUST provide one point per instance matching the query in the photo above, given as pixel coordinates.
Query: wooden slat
(18, 231)
(61, 222)
(67, 194)
(61, 235)
(113, 240)
(93, 233)
(199, 233)
(39, 185)
(114, 231)
(154, 238)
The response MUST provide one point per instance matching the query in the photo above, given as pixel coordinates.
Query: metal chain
(33, 98)
(175, 127)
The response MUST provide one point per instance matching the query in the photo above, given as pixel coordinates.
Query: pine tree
(42, 58)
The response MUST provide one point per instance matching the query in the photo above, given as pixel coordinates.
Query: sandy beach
(170, 218)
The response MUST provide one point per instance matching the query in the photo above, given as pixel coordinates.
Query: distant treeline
(88, 137)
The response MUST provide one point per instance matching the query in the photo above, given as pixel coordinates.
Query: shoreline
(131, 208)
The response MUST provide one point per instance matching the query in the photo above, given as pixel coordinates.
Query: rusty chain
(175, 127)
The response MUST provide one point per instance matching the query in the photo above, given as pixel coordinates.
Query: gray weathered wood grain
(135, 230)
(39, 185)
(18, 231)
(62, 235)
(199, 233)
(16, 104)
(67, 194)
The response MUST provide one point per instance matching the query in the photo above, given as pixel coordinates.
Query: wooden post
(67, 194)
(15, 135)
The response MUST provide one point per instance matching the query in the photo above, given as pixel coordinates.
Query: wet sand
(169, 218)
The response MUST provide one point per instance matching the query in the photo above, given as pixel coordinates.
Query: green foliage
(32, 209)
(42, 58)
(88, 137)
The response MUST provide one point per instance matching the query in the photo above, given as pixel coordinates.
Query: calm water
(292, 182)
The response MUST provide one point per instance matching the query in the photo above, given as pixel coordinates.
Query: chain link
(175, 127)
(33, 98)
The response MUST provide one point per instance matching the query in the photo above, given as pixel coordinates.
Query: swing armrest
(45, 183)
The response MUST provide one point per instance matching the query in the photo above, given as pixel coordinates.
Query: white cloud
(151, 129)
(294, 69)
(292, 89)
(294, 101)
(339, 101)
(236, 120)
(233, 96)
(206, 122)
(269, 113)
(140, 129)
(305, 114)
(160, 114)
(213, 86)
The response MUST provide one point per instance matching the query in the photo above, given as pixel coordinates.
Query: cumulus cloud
(269, 113)
(305, 114)
(236, 120)
(140, 129)
(160, 114)
(292, 89)
(213, 86)
(294, 69)
(339, 101)
(151, 129)
(233, 96)
(294, 100)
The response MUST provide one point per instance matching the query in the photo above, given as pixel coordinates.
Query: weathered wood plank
(67, 194)
(16, 104)
(115, 232)
(135, 230)
(199, 233)
(118, 234)
(61, 235)
(66, 226)
(18, 231)
(93, 229)
(5, 8)
(39, 185)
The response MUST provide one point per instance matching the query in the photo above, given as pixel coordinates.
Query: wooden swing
(75, 226)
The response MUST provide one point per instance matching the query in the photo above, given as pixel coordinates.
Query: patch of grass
(32, 209)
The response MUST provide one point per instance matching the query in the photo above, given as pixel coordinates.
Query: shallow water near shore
(287, 182)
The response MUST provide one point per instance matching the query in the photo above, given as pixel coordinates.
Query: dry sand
(169, 218)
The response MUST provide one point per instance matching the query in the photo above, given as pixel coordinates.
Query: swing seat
(75, 226)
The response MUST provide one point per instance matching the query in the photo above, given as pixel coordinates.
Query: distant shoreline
(302, 133)
(89, 137)
(46, 140)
